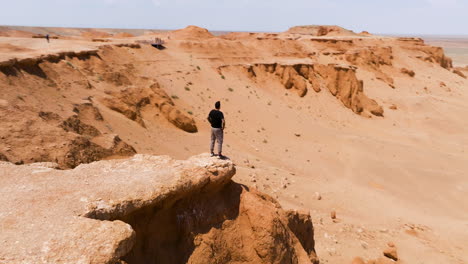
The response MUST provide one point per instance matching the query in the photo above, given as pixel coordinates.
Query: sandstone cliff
(340, 80)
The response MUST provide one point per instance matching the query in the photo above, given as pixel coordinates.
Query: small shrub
(174, 97)
(190, 112)
(198, 68)
(222, 77)
(230, 89)
(187, 89)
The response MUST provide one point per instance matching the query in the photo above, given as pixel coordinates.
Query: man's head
(218, 105)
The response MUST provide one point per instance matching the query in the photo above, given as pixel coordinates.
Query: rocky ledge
(146, 209)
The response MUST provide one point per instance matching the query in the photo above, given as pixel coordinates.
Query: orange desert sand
(343, 147)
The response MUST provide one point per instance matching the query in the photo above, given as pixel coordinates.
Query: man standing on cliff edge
(216, 119)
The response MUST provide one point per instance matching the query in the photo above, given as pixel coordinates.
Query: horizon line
(237, 30)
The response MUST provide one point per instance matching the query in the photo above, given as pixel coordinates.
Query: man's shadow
(158, 46)
(221, 157)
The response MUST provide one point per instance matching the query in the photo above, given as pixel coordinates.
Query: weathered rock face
(340, 80)
(301, 225)
(373, 56)
(343, 84)
(171, 112)
(373, 59)
(145, 209)
(74, 124)
(429, 54)
(47, 137)
(130, 102)
(437, 55)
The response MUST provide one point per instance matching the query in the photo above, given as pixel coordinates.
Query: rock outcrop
(30, 137)
(131, 101)
(321, 31)
(301, 225)
(437, 55)
(427, 53)
(146, 209)
(373, 59)
(340, 80)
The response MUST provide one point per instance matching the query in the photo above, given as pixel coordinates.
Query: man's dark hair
(218, 105)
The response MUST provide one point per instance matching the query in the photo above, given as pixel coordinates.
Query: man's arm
(223, 122)
(209, 117)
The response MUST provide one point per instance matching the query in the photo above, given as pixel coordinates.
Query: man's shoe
(212, 154)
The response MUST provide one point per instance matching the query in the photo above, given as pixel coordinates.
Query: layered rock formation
(143, 85)
(373, 59)
(147, 209)
(427, 53)
(340, 80)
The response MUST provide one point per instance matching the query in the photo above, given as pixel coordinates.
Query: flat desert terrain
(455, 47)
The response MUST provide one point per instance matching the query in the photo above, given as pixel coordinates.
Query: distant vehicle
(158, 43)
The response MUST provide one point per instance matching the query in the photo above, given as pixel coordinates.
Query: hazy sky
(377, 16)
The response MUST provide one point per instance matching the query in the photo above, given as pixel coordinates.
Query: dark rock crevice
(217, 223)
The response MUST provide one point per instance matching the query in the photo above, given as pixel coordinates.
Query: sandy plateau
(363, 136)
